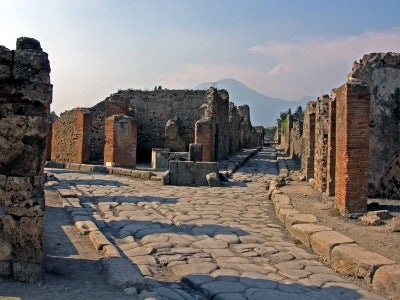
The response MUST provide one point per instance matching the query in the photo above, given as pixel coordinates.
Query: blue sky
(281, 48)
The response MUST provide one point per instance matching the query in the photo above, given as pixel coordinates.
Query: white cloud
(316, 65)
(290, 70)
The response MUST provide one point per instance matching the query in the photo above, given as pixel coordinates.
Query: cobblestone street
(202, 242)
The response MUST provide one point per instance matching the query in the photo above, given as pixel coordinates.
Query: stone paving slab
(209, 243)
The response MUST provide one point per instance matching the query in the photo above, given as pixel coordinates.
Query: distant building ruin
(165, 119)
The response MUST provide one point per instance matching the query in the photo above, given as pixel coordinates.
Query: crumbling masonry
(165, 119)
(351, 140)
(25, 97)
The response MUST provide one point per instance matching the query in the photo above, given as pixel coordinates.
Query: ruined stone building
(25, 97)
(170, 119)
(351, 139)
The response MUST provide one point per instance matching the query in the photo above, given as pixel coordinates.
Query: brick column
(120, 141)
(83, 125)
(330, 180)
(352, 147)
(204, 135)
(309, 140)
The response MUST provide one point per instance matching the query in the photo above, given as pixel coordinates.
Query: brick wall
(71, 137)
(321, 142)
(352, 146)
(25, 97)
(120, 141)
(309, 140)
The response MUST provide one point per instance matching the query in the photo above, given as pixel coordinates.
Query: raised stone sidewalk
(341, 252)
(172, 242)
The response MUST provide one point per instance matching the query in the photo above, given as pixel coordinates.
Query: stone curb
(118, 270)
(137, 174)
(342, 253)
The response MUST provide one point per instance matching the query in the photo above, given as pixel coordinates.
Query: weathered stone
(303, 232)
(371, 219)
(323, 242)
(211, 289)
(213, 180)
(194, 268)
(386, 279)
(351, 259)
(189, 173)
(121, 273)
(98, 239)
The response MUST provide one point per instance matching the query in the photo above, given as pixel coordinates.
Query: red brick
(120, 141)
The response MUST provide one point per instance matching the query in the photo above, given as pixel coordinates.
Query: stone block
(281, 198)
(300, 219)
(213, 180)
(25, 235)
(195, 152)
(24, 271)
(5, 249)
(98, 239)
(387, 280)
(303, 232)
(323, 242)
(284, 212)
(5, 269)
(189, 173)
(160, 158)
(352, 260)
(120, 273)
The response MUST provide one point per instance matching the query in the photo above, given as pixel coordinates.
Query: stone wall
(71, 137)
(331, 159)
(381, 71)
(307, 162)
(285, 133)
(296, 140)
(25, 97)
(321, 142)
(234, 125)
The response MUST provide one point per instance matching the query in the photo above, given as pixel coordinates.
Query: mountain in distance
(264, 110)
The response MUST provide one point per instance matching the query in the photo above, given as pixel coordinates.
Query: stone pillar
(71, 137)
(120, 141)
(25, 98)
(352, 147)
(195, 152)
(204, 135)
(330, 180)
(309, 140)
(321, 142)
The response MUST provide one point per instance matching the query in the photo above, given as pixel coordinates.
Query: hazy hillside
(264, 110)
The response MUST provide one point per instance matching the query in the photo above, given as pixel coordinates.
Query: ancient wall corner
(25, 109)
